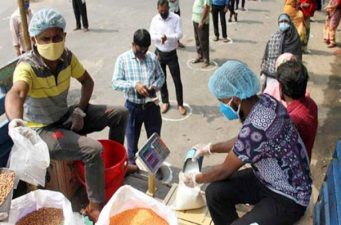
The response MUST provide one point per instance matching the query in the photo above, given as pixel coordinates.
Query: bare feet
(92, 211)
(164, 107)
(182, 110)
(132, 168)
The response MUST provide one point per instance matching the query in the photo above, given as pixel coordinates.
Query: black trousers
(244, 187)
(79, 10)
(237, 3)
(170, 59)
(219, 9)
(231, 7)
(202, 41)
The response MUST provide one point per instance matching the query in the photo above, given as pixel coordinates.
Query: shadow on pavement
(330, 130)
(208, 112)
(319, 52)
(101, 30)
(250, 21)
(220, 61)
(258, 10)
(244, 41)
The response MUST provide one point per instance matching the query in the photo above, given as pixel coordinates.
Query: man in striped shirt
(139, 75)
(38, 99)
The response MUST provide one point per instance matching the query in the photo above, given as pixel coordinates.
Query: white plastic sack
(29, 156)
(187, 198)
(128, 197)
(35, 200)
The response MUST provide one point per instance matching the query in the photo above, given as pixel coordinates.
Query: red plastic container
(114, 157)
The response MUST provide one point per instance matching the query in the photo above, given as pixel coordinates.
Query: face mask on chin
(51, 51)
(164, 15)
(228, 111)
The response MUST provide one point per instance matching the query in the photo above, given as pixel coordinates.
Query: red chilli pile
(43, 216)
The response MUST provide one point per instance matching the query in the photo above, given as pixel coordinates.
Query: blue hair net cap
(233, 78)
(45, 18)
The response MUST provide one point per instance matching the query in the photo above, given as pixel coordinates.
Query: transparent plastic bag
(187, 197)
(29, 156)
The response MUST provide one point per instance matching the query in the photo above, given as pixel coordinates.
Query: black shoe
(230, 20)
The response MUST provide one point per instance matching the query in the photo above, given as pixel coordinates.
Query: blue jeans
(150, 115)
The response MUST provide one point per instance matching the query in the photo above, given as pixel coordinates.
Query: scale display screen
(153, 153)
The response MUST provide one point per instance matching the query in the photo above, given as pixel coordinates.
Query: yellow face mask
(51, 51)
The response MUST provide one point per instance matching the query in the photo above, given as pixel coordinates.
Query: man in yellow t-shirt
(38, 99)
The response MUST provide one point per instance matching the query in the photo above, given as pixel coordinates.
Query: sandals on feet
(91, 213)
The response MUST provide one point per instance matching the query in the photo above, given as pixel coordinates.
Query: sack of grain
(39, 199)
(7, 178)
(137, 216)
(127, 198)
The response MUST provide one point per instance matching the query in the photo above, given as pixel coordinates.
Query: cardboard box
(188, 217)
(61, 176)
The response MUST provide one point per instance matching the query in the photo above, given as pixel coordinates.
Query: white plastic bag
(29, 156)
(187, 198)
(35, 200)
(128, 197)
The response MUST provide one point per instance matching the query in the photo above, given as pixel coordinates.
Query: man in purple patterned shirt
(278, 183)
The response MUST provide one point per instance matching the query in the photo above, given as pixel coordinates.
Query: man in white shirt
(16, 28)
(166, 30)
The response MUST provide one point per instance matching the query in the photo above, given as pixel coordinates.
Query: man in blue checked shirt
(139, 75)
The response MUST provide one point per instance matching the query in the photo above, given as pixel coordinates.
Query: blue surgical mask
(283, 26)
(228, 111)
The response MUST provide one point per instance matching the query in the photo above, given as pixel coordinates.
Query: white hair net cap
(45, 18)
(233, 78)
